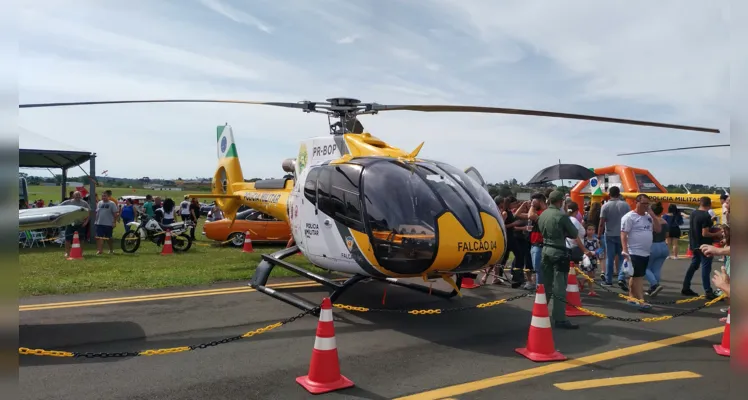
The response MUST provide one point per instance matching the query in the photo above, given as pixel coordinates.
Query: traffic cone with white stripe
(168, 249)
(324, 369)
(540, 345)
(247, 244)
(573, 298)
(723, 349)
(76, 252)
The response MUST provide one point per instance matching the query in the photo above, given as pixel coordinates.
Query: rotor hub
(343, 102)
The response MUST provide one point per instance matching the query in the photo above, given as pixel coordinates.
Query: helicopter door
(476, 176)
(339, 209)
(310, 215)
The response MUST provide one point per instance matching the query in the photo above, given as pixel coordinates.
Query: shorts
(674, 232)
(104, 231)
(640, 265)
(70, 232)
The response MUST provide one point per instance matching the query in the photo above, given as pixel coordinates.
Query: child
(592, 243)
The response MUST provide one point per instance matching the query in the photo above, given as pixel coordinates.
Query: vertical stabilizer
(229, 170)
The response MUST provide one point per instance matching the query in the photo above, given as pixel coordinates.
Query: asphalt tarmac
(388, 355)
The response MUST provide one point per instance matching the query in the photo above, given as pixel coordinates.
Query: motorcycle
(151, 230)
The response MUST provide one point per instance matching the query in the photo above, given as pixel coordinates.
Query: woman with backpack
(674, 220)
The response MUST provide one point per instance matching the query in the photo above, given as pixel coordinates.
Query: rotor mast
(343, 111)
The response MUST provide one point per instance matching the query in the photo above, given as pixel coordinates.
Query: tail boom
(273, 202)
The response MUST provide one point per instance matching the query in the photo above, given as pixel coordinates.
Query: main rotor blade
(674, 149)
(88, 103)
(536, 113)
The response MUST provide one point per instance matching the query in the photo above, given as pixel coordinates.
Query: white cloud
(664, 61)
(348, 39)
(235, 15)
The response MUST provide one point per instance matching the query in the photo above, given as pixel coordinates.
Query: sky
(664, 61)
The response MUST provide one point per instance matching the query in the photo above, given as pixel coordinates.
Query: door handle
(328, 222)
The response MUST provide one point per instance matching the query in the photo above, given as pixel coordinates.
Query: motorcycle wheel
(181, 243)
(130, 242)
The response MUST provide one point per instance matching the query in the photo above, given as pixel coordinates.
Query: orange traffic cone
(167, 245)
(324, 369)
(572, 295)
(247, 244)
(723, 349)
(540, 345)
(76, 252)
(689, 253)
(468, 283)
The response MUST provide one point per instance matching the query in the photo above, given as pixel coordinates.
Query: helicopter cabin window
(323, 187)
(344, 193)
(310, 186)
(338, 194)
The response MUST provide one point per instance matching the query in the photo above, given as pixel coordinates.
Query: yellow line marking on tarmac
(487, 383)
(626, 380)
(162, 296)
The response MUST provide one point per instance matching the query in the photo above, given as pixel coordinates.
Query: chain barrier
(433, 311)
(629, 298)
(646, 319)
(156, 352)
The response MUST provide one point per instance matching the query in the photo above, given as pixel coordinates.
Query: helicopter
(358, 206)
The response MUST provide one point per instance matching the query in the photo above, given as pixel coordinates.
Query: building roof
(33, 158)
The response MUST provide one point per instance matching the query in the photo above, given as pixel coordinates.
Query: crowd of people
(548, 234)
(108, 213)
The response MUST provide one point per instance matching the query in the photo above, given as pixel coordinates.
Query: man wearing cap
(556, 226)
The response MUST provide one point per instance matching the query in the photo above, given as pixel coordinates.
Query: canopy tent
(64, 160)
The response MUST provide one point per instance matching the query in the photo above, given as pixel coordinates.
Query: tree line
(509, 187)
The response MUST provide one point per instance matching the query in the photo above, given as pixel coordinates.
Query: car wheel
(237, 239)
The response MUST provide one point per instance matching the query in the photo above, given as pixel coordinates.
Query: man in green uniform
(555, 225)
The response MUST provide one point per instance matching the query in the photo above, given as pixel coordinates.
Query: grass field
(45, 270)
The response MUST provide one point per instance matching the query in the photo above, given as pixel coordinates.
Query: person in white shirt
(636, 240)
(184, 209)
(572, 209)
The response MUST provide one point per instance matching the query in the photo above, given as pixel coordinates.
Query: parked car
(262, 229)
(205, 208)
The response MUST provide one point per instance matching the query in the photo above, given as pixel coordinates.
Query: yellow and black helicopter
(359, 206)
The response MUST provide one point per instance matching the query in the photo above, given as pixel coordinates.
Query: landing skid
(269, 261)
(262, 274)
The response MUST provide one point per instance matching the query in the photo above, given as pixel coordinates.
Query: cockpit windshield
(402, 203)
(455, 197)
(474, 188)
